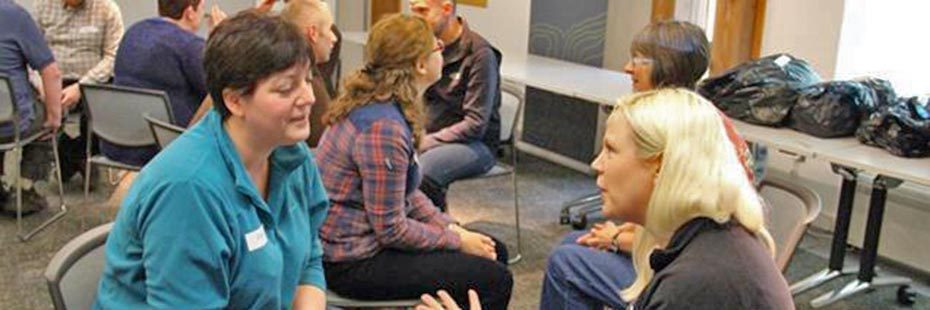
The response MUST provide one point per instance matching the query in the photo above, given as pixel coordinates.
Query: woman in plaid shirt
(383, 238)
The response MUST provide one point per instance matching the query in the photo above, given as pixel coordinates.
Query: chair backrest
(333, 299)
(116, 113)
(74, 272)
(164, 132)
(512, 100)
(7, 101)
(792, 207)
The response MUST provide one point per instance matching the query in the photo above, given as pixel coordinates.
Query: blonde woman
(383, 238)
(589, 268)
(668, 165)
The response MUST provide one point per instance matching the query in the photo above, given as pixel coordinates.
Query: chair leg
(87, 163)
(19, 189)
(62, 207)
(87, 179)
(61, 181)
(516, 209)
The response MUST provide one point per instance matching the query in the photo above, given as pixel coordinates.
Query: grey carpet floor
(484, 204)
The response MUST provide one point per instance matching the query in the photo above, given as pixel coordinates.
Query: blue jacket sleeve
(186, 268)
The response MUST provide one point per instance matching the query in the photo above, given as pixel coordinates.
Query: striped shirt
(84, 39)
(369, 167)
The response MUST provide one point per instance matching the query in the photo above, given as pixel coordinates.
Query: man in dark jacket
(463, 123)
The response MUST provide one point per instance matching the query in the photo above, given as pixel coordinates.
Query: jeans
(579, 277)
(403, 274)
(449, 162)
(760, 158)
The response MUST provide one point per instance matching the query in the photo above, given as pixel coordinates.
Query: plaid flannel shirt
(84, 39)
(369, 169)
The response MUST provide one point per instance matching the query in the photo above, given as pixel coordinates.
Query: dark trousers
(449, 162)
(394, 274)
(72, 152)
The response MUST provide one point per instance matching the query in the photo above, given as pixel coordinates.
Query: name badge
(256, 239)
(88, 29)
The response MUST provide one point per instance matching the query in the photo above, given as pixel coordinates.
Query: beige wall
(624, 19)
(806, 29)
(505, 23)
(351, 15)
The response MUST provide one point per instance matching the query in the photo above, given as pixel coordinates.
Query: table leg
(840, 234)
(867, 280)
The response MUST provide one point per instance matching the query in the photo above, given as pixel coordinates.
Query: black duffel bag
(832, 109)
(902, 128)
(761, 91)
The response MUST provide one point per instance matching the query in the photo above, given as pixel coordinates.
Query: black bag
(882, 90)
(832, 109)
(761, 91)
(902, 128)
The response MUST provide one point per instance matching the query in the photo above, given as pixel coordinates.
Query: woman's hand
(475, 244)
(430, 303)
(426, 143)
(607, 235)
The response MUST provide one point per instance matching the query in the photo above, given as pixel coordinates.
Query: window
(698, 12)
(885, 39)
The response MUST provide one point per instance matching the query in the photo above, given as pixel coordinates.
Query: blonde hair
(305, 12)
(699, 174)
(394, 46)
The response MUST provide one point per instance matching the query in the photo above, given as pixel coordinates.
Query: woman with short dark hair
(228, 215)
(675, 53)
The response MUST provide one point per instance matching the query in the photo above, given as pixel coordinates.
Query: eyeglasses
(640, 61)
(439, 46)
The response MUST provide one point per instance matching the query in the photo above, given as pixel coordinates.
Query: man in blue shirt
(162, 53)
(22, 45)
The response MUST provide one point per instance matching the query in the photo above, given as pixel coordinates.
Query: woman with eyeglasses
(383, 238)
(590, 268)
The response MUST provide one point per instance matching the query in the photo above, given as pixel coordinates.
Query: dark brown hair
(248, 47)
(679, 50)
(174, 9)
(394, 45)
